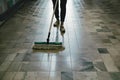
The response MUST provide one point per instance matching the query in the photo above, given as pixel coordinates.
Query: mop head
(46, 46)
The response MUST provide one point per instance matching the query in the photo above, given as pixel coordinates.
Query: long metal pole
(52, 21)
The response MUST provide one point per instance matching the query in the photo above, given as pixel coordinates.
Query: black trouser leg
(57, 9)
(63, 9)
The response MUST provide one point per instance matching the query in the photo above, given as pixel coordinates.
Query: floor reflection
(92, 42)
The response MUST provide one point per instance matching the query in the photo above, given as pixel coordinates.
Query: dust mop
(49, 45)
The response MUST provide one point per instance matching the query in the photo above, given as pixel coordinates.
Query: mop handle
(52, 20)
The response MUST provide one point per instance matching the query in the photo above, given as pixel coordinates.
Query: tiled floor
(92, 42)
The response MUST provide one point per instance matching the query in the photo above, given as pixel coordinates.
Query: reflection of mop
(49, 45)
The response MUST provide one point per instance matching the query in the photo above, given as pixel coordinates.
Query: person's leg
(57, 9)
(63, 14)
(63, 9)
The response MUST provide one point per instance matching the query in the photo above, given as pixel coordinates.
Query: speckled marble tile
(109, 63)
(100, 66)
(1, 74)
(19, 76)
(4, 66)
(10, 57)
(60, 66)
(55, 76)
(102, 50)
(66, 76)
(35, 66)
(19, 57)
(32, 57)
(37, 76)
(116, 59)
(115, 75)
(85, 76)
(87, 55)
(83, 66)
(9, 76)
(113, 51)
(42, 75)
(103, 76)
(3, 57)
(59, 58)
(112, 37)
(14, 67)
(30, 76)
(106, 41)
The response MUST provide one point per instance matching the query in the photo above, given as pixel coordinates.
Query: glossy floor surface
(92, 42)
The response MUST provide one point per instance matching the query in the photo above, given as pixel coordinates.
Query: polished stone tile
(35, 66)
(4, 66)
(58, 58)
(115, 75)
(112, 37)
(30, 76)
(37, 76)
(113, 51)
(116, 59)
(2, 57)
(92, 42)
(41, 76)
(99, 66)
(19, 76)
(60, 66)
(32, 57)
(66, 76)
(19, 57)
(46, 58)
(10, 57)
(109, 63)
(102, 50)
(103, 76)
(87, 55)
(83, 66)
(1, 74)
(9, 76)
(102, 30)
(14, 67)
(85, 76)
(55, 76)
(45, 66)
(106, 41)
